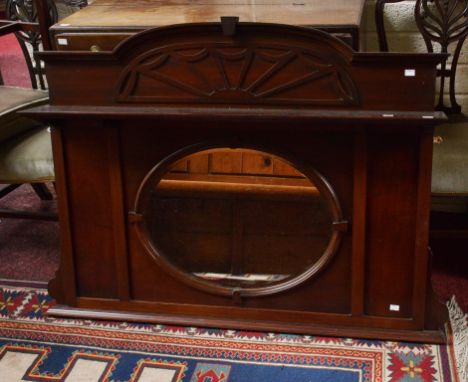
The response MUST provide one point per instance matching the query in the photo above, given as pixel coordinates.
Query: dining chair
(25, 145)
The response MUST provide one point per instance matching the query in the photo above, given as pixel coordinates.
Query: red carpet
(28, 249)
(449, 279)
(12, 63)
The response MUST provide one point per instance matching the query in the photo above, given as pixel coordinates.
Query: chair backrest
(46, 13)
(29, 40)
(443, 23)
(21, 29)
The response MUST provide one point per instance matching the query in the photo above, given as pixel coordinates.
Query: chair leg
(7, 189)
(42, 191)
(16, 214)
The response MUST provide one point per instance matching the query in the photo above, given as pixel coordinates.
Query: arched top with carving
(260, 64)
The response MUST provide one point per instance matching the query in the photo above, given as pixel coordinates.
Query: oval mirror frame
(136, 218)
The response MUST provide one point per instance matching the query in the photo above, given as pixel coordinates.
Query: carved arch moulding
(238, 71)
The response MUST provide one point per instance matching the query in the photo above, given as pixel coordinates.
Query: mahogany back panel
(212, 68)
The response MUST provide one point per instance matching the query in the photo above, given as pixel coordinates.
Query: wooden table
(117, 19)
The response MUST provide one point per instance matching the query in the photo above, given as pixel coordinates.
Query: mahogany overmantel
(349, 134)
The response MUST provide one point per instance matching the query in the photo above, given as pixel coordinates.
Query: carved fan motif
(266, 74)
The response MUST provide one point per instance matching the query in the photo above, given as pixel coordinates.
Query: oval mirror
(239, 219)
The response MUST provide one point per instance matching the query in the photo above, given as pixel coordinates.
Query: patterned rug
(38, 348)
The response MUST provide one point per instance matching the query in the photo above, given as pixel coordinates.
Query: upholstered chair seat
(25, 149)
(450, 166)
(13, 99)
(25, 146)
(450, 162)
(27, 158)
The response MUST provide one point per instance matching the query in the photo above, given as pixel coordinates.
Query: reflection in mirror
(237, 217)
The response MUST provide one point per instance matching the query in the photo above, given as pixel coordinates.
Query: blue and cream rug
(35, 348)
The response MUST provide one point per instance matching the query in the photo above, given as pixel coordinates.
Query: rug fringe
(459, 324)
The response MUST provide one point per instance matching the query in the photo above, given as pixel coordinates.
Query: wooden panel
(226, 163)
(391, 220)
(91, 207)
(95, 82)
(422, 267)
(329, 292)
(199, 234)
(359, 222)
(257, 163)
(236, 162)
(63, 287)
(180, 166)
(198, 164)
(193, 164)
(290, 92)
(396, 85)
(118, 213)
(281, 168)
(101, 41)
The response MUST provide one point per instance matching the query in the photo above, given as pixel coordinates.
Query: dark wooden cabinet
(271, 179)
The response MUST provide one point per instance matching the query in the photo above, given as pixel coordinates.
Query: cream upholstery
(13, 99)
(450, 167)
(27, 158)
(450, 163)
(25, 145)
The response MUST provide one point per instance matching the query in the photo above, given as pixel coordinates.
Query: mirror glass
(238, 217)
